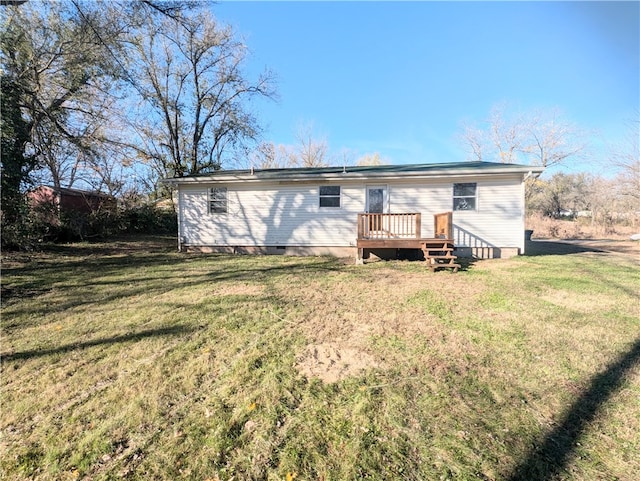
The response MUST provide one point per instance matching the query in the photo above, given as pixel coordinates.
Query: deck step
(455, 267)
(439, 255)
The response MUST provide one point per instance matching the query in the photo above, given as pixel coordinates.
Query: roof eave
(436, 173)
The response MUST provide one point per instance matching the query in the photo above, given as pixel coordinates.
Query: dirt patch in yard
(343, 321)
(333, 362)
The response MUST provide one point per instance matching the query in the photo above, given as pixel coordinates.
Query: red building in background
(56, 201)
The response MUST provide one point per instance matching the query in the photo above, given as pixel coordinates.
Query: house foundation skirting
(347, 251)
(334, 251)
(487, 252)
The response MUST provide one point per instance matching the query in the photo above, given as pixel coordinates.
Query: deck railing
(389, 226)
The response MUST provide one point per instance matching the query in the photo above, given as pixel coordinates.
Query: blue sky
(399, 78)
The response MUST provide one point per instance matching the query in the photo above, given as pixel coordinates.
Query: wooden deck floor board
(401, 243)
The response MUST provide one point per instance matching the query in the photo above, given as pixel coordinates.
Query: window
(330, 196)
(218, 200)
(464, 196)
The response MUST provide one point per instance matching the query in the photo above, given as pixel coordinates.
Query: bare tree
(372, 159)
(271, 156)
(508, 136)
(194, 109)
(502, 139)
(602, 201)
(312, 151)
(625, 158)
(474, 139)
(539, 138)
(551, 140)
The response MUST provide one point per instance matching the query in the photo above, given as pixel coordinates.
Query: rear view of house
(345, 211)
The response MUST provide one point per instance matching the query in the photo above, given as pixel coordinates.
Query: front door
(376, 204)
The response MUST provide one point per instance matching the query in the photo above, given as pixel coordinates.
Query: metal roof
(358, 172)
(74, 192)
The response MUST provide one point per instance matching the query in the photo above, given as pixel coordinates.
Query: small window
(330, 196)
(218, 200)
(464, 196)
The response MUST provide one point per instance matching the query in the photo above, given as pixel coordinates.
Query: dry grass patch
(579, 302)
(580, 228)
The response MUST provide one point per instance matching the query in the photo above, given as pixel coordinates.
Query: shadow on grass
(166, 272)
(131, 337)
(551, 457)
(550, 248)
(417, 256)
(128, 244)
(467, 263)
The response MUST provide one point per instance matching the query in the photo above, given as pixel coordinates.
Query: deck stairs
(403, 231)
(438, 253)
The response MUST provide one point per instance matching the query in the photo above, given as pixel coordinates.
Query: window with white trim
(218, 200)
(465, 196)
(330, 196)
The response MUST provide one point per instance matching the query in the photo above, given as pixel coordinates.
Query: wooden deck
(402, 231)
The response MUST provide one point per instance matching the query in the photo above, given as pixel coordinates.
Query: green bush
(149, 219)
(43, 224)
(30, 228)
(99, 224)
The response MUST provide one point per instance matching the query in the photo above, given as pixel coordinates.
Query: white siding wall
(428, 198)
(289, 215)
(271, 215)
(498, 220)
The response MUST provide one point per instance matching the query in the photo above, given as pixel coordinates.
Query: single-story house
(347, 211)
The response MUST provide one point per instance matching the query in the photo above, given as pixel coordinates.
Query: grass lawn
(126, 360)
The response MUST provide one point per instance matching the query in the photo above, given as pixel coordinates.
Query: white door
(377, 203)
(377, 199)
